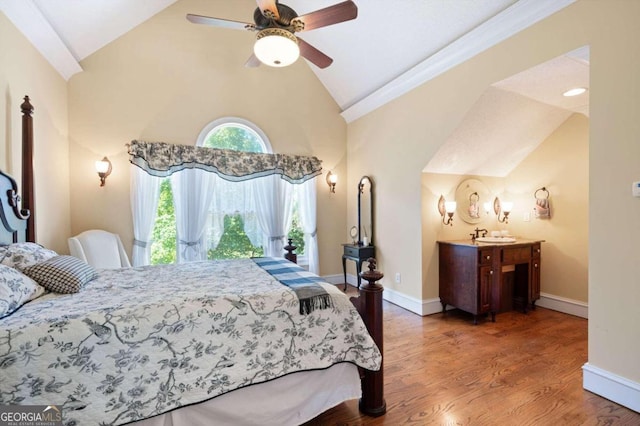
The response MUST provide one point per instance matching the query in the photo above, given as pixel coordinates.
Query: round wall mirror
(471, 195)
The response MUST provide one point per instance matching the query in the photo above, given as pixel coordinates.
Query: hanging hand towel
(542, 208)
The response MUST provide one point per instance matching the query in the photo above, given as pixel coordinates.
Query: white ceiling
(391, 48)
(513, 116)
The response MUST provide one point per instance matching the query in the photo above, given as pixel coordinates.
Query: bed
(230, 341)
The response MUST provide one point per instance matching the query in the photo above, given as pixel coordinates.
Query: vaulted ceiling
(391, 48)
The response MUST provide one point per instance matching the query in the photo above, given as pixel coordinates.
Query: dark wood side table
(358, 254)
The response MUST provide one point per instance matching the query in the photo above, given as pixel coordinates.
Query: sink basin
(495, 240)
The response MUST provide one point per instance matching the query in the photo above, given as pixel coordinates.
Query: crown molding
(512, 20)
(30, 21)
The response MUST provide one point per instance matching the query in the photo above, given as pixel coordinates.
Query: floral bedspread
(138, 342)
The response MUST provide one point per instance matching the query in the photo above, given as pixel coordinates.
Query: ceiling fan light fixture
(276, 47)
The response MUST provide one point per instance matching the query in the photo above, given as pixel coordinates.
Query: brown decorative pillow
(62, 274)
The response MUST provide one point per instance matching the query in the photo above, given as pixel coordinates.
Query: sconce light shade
(447, 208)
(103, 167)
(332, 179)
(487, 207)
(276, 47)
(503, 208)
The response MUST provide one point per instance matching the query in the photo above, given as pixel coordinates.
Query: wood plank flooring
(524, 369)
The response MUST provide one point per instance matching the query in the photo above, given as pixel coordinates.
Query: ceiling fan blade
(335, 14)
(313, 55)
(217, 22)
(252, 62)
(269, 9)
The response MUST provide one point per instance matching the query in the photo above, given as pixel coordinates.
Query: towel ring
(535, 194)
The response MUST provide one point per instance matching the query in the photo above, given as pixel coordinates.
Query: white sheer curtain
(192, 193)
(231, 198)
(145, 192)
(308, 218)
(274, 199)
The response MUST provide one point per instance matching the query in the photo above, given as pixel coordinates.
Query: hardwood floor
(524, 369)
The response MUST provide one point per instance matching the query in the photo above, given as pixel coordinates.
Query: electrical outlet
(398, 278)
(527, 216)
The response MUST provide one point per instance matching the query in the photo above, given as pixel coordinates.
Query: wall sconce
(504, 208)
(103, 167)
(448, 207)
(332, 179)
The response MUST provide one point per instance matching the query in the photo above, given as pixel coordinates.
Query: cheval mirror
(365, 211)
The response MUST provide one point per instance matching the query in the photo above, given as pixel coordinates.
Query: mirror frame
(467, 189)
(360, 191)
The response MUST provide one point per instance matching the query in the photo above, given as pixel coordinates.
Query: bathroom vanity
(489, 277)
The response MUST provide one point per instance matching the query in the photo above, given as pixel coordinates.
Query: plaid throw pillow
(62, 274)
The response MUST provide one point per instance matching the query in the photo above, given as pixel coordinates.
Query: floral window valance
(163, 159)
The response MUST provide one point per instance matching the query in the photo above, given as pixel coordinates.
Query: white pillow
(16, 289)
(23, 255)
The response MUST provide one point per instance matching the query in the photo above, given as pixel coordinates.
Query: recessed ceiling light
(575, 91)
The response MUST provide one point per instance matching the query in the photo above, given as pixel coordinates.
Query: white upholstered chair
(100, 249)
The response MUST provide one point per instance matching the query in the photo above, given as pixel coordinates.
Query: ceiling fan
(275, 23)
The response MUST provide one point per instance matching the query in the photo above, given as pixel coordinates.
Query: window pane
(296, 233)
(236, 137)
(234, 243)
(163, 247)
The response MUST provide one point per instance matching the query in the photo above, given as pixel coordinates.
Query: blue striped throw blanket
(304, 283)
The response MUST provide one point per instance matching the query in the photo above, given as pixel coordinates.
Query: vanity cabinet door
(534, 288)
(535, 281)
(484, 289)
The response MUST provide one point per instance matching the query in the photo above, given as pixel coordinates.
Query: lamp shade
(276, 47)
(102, 166)
(450, 206)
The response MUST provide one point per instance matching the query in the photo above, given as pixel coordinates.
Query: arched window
(234, 133)
(232, 229)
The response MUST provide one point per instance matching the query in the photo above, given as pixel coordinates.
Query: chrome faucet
(477, 233)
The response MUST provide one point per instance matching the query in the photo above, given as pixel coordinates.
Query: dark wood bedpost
(290, 255)
(369, 305)
(28, 196)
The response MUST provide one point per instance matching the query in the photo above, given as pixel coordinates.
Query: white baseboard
(335, 279)
(562, 304)
(433, 306)
(407, 302)
(611, 386)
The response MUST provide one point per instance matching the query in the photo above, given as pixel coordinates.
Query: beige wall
(561, 165)
(408, 131)
(164, 82)
(23, 71)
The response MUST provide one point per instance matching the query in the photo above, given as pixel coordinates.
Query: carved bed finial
(26, 107)
(290, 255)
